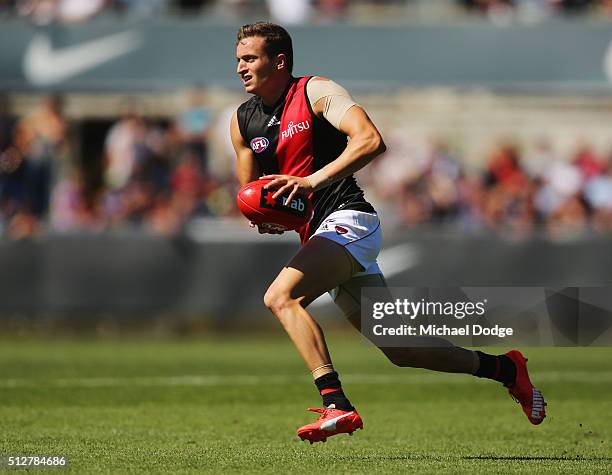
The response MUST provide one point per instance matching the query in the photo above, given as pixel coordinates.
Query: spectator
(188, 184)
(569, 219)
(331, 10)
(561, 182)
(193, 126)
(14, 196)
(505, 170)
(7, 123)
(471, 202)
(539, 158)
(289, 13)
(598, 195)
(43, 136)
(587, 161)
(124, 143)
(72, 11)
(69, 211)
(442, 172)
(41, 12)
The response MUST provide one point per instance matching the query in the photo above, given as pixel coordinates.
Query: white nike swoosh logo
(331, 424)
(44, 66)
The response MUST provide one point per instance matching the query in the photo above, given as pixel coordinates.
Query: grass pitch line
(250, 380)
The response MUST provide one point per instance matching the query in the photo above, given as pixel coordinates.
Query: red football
(257, 204)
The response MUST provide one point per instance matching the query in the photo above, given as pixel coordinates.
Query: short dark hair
(277, 39)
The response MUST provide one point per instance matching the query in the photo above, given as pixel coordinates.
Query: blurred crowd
(520, 189)
(508, 10)
(148, 175)
(298, 11)
(154, 176)
(69, 11)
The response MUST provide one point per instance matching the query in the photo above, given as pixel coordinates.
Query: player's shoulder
(319, 79)
(325, 84)
(320, 86)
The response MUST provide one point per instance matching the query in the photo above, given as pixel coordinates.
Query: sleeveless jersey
(289, 139)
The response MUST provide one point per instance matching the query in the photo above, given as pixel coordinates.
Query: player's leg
(441, 355)
(431, 353)
(318, 267)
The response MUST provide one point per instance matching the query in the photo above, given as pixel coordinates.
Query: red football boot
(523, 392)
(331, 422)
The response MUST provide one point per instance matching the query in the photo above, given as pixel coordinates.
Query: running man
(317, 137)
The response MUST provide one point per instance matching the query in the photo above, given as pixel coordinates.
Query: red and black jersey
(289, 139)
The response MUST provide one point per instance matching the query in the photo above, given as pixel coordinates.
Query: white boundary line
(250, 380)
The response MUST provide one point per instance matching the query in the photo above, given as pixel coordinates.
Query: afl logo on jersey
(259, 144)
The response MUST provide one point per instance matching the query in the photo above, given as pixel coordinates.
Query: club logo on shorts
(259, 144)
(341, 230)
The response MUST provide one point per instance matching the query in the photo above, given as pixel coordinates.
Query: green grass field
(232, 405)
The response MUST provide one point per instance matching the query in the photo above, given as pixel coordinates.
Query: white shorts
(358, 232)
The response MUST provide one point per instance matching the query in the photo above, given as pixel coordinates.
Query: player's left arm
(364, 144)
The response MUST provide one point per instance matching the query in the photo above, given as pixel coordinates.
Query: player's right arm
(247, 169)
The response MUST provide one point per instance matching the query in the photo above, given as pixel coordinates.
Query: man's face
(255, 67)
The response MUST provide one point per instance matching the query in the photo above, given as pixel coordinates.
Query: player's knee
(277, 300)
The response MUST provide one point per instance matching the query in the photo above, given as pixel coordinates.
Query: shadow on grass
(363, 458)
(414, 457)
(574, 458)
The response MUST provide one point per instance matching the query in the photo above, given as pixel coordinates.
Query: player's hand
(267, 228)
(284, 183)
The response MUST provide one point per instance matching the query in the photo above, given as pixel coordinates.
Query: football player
(309, 136)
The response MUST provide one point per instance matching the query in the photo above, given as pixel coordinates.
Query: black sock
(500, 368)
(331, 391)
